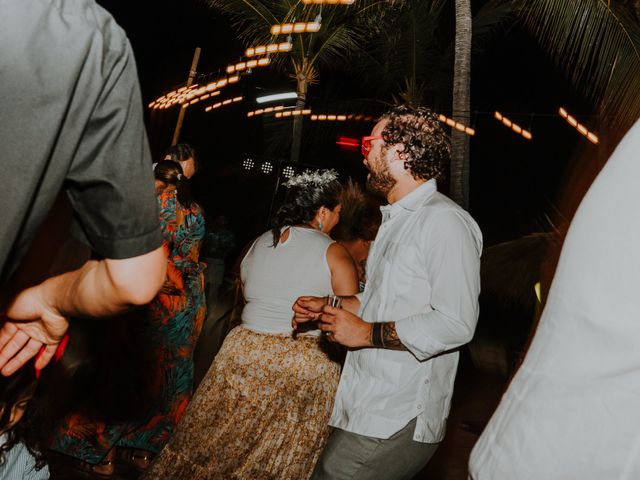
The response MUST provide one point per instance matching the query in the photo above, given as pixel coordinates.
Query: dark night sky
(514, 182)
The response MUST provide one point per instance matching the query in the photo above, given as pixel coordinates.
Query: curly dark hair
(170, 173)
(426, 144)
(302, 203)
(181, 152)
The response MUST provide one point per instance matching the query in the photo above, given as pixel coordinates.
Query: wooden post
(183, 109)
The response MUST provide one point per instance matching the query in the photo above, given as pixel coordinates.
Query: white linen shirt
(423, 273)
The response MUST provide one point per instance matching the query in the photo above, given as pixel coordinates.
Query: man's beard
(379, 180)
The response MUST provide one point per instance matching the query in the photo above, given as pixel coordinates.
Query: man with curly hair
(419, 305)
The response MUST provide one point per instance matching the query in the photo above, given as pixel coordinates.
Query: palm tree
(459, 170)
(597, 44)
(341, 36)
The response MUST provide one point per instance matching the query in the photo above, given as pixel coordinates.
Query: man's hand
(307, 309)
(345, 328)
(32, 324)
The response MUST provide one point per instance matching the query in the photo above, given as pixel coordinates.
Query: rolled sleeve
(452, 263)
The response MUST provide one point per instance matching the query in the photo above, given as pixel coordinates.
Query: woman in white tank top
(262, 410)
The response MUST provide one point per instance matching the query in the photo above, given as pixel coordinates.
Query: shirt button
(426, 381)
(419, 406)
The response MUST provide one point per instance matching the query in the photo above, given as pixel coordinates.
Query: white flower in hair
(308, 178)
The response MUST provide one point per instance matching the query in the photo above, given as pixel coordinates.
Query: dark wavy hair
(302, 203)
(360, 216)
(426, 144)
(13, 389)
(181, 152)
(170, 173)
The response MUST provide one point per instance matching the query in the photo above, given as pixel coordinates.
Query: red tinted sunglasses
(366, 144)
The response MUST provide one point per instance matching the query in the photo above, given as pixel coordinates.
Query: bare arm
(37, 316)
(344, 274)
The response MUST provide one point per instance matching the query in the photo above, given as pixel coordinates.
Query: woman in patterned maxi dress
(173, 323)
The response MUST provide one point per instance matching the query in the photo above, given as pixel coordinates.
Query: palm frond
(597, 44)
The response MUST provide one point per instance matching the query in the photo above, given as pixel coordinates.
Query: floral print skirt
(260, 413)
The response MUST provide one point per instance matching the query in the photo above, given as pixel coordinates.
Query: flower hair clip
(316, 178)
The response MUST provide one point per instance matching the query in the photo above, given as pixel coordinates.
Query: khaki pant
(357, 457)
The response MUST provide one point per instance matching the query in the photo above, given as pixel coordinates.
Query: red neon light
(348, 142)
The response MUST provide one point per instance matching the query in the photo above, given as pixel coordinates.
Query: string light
(513, 126)
(228, 101)
(328, 2)
(260, 111)
(240, 66)
(341, 118)
(298, 27)
(189, 96)
(271, 48)
(592, 137)
(292, 113)
(457, 125)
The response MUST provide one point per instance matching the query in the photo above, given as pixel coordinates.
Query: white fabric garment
(423, 273)
(273, 278)
(19, 464)
(573, 409)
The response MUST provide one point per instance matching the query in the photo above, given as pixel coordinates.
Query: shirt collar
(411, 201)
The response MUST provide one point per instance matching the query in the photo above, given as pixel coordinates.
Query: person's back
(274, 277)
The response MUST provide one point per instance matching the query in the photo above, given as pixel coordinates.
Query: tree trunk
(296, 137)
(459, 172)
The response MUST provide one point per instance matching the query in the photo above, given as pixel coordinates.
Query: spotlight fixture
(267, 167)
(248, 164)
(288, 171)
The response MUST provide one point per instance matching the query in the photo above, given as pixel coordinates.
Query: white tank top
(273, 278)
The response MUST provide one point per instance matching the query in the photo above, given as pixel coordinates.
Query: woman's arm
(344, 274)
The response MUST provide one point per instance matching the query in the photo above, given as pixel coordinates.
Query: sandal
(140, 459)
(104, 469)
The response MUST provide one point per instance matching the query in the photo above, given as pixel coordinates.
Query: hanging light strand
(457, 125)
(513, 126)
(224, 103)
(271, 48)
(298, 27)
(592, 137)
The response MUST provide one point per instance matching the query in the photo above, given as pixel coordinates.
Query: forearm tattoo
(384, 335)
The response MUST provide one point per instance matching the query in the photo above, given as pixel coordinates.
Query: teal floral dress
(174, 322)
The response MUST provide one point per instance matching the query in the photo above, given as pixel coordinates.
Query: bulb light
(513, 126)
(328, 2)
(270, 48)
(298, 27)
(592, 137)
(452, 123)
(266, 167)
(223, 103)
(341, 118)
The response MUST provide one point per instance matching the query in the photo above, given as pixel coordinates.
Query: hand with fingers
(345, 328)
(30, 325)
(307, 309)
